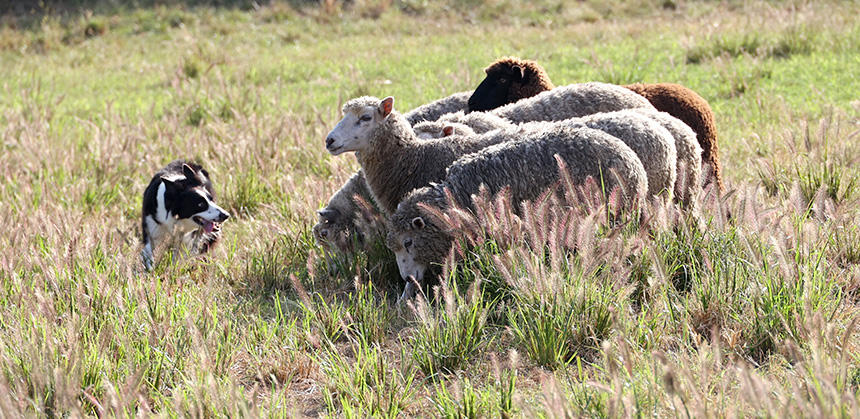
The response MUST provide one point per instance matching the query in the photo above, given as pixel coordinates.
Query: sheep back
(433, 110)
(652, 143)
(571, 101)
(528, 165)
(480, 122)
(691, 108)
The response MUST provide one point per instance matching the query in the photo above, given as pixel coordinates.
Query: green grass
(446, 339)
(749, 310)
(557, 329)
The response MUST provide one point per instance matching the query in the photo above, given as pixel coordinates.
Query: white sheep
(528, 167)
(336, 228)
(689, 160)
(650, 140)
(394, 160)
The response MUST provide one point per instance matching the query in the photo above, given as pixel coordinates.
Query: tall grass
(445, 340)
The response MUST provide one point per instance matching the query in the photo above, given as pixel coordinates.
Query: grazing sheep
(639, 129)
(433, 110)
(337, 229)
(572, 101)
(528, 166)
(511, 79)
(394, 160)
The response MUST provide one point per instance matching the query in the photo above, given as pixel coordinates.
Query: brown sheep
(510, 79)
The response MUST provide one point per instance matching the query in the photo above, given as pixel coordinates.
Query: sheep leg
(409, 291)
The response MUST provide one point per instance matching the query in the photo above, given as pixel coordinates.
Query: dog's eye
(201, 205)
(503, 80)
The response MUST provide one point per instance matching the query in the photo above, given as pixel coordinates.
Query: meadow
(751, 310)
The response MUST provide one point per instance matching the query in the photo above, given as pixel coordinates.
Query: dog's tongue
(208, 226)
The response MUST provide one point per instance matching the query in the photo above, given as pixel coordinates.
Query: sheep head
(417, 236)
(428, 130)
(508, 80)
(361, 116)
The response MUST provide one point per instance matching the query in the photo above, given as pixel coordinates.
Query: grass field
(749, 315)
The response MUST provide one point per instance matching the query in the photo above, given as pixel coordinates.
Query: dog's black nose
(329, 141)
(324, 233)
(223, 217)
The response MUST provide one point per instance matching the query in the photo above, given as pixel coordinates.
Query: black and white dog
(179, 210)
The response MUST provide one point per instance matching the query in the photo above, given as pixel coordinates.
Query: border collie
(179, 209)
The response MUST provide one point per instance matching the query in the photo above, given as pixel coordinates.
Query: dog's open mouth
(207, 225)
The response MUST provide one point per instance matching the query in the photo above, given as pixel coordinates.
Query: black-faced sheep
(528, 166)
(511, 79)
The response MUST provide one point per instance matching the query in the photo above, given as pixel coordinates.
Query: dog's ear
(169, 184)
(189, 172)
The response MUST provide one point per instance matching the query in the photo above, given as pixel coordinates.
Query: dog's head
(192, 200)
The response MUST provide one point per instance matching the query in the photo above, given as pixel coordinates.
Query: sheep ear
(386, 106)
(417, 223)
(447, 130)
(519, 73)
(327, 213)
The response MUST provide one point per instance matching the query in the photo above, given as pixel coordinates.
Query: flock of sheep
(645, 141)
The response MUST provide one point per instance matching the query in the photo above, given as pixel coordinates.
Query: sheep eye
(407, 243)
(364, 118)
